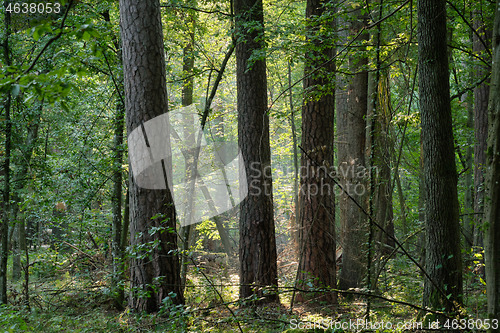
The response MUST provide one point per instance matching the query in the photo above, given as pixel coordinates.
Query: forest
(250, 166)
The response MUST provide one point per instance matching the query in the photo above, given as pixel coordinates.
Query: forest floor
(70, 293)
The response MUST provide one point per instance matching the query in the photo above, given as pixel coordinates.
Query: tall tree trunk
(468, 225)
(19, 241)
(294, 230)
(258, 268)
(189, 139)
(117, 247)
(382, 198)
(351, 129)
(117, 195)
(380, 167)
(154, 263)
(443, 256)
(4, 254)
(317, 200)
(481, 96)
(492, 207)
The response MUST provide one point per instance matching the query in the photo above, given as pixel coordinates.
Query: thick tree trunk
(492, 208)
(257, 250)
(443, 256)
(154, 262)
(351, 129)
(317, 200)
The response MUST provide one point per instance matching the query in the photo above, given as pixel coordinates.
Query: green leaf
(65, 106)
(15, 90)
(86, 36)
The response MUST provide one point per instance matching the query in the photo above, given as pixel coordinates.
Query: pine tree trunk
(154, 262)
(317, 200)
(443, 256)
(257, 250)
(492, 208)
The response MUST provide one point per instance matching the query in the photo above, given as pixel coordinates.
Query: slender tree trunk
(469, 181)
(19, 241)
(382, 198)
(481, 96)
(443, 256)
(189, 139)
(4, 254)
(154, 262)
(117, 196)
(257, 250)
(317, 200)
(402, 203)
(294, 232)
(492, 208)
(126, 218)
(351, 128)
(117, 247)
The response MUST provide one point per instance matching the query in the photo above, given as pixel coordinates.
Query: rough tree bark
(317, 200)
(258, 268)
(443, 256)
(492, 207)
(154, 263)
(351, 124)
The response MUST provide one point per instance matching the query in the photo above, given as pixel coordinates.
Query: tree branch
(53, 39)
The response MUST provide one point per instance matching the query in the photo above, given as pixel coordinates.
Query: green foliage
(63, 78)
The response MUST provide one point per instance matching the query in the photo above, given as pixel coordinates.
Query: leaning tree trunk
(317, 201)
(154, 261)
(443, 257)
(492, 207)
(258, 268)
